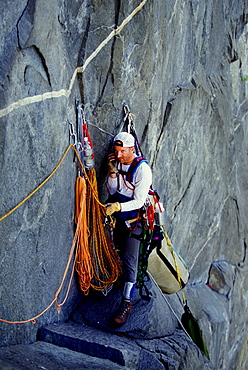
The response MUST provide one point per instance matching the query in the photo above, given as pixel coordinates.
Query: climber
(128, 183)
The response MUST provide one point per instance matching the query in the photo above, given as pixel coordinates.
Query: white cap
(125, 138)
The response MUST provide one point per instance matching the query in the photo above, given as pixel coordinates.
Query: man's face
(124, 155)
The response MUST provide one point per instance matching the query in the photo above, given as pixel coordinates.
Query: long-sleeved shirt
(137, 190)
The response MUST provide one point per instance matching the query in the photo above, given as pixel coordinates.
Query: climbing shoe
(122, 313)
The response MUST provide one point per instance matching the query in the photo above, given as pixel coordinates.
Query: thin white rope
(171, 308)
(63, 92)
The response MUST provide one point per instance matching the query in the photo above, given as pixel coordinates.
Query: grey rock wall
(181, 66)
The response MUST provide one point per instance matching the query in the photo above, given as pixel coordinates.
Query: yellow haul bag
(167, 267)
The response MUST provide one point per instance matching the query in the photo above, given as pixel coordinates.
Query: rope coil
(115, 265)
(79, 242)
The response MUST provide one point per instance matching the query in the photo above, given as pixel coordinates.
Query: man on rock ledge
(128, 184)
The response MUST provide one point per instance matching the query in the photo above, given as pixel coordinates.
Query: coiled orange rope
(82, 258)
(106, 265)
(105, 262)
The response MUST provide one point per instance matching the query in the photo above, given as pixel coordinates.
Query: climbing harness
(146, 214)
(148, 238)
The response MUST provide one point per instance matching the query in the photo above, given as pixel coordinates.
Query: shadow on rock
(149, 318)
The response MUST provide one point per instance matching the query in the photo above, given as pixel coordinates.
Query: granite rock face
(182, 68)
(150, 316)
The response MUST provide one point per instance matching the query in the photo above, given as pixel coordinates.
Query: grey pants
(128, 247)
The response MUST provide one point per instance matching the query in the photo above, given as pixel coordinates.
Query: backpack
(117, 197)
(133, 168)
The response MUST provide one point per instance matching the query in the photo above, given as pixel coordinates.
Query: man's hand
(112, 208)
(112, 163)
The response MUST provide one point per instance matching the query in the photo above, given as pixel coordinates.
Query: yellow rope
(176, 264)
(48, 178)
(38, 187)
(52, 95)
(174, 257)
(55, 300)
(109, 254)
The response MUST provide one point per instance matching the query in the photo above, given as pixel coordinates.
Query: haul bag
(168, 268)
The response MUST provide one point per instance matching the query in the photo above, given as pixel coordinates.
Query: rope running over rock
(74, 246)
(99, 270)
(63, 92)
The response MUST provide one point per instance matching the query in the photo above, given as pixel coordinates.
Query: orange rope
(105, 262)
(101, 250)
(82, 258)
(49, 177)
(55, 300)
